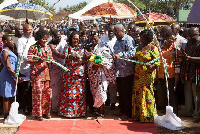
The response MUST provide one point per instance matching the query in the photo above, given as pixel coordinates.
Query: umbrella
(26, 10)
(155, 19)
(112, 10)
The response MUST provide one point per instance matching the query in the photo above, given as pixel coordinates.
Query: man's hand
(116, 56)
(20, 80)
(151, 66)
(89, 54)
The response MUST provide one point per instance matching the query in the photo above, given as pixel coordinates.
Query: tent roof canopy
(90, 5)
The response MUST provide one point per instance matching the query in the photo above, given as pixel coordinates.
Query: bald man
(23, 45)
(180, 41)
(124, 48)
(163, 33)
(191, 74)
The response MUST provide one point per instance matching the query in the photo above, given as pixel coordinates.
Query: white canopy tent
(90, 5)
(6, 3)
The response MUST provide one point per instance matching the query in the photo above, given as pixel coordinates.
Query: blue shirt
(126, 49)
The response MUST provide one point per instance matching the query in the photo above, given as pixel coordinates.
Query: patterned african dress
(56, 78)
(143, 101)
(40, 80)
(72, 100)
(101, 77)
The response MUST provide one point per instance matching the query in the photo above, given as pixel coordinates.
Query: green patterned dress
(143, 101)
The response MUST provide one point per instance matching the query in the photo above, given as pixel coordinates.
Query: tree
(169, 7)
(42, 3)
(1, 1)
(75, 8)
(138, 3)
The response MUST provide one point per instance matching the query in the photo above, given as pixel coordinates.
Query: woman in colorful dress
(57, 47)
(40, 76)
(100, 74)
(73, 101)
(144, 107)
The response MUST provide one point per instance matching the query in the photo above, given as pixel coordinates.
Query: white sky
(64, 3)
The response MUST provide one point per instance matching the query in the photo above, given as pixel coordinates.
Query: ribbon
(96, 59)
(147, 63)
(47, 59)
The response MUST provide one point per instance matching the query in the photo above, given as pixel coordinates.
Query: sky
(64, 3)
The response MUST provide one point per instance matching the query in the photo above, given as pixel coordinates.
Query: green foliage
(169, 7)
(42, 3)
(75, 8)
(138, 3)
(1, 1)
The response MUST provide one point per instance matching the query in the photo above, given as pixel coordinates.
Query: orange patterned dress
(40, 80)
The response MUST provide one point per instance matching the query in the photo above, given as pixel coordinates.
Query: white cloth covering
(14, 117)
(169, 120)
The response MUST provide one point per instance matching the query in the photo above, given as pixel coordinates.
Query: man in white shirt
(23, 45)
(180, 41)
(109, 41)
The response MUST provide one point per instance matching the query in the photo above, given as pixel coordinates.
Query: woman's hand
(151, 66)
(40, 61)
(48, 62)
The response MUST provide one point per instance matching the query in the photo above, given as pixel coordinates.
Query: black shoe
(39, 118)
(112, 107)
(124, 118)
(6, 115)
(107, 103)
(46, 116)
(27, 112)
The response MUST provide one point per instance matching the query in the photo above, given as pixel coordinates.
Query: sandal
(39, 118)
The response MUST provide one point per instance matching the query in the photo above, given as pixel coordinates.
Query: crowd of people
(101, 61)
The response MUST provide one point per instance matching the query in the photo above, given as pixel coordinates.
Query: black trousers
(89, 97)
(172, 94)
(24, 95)
(124, 87)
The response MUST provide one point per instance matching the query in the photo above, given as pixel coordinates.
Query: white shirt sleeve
(19, 47)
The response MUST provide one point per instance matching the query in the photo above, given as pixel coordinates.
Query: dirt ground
(190, 127)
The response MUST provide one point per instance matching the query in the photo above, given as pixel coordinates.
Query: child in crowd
(7, 75)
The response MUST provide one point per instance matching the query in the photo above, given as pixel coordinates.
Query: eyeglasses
(76, 39)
